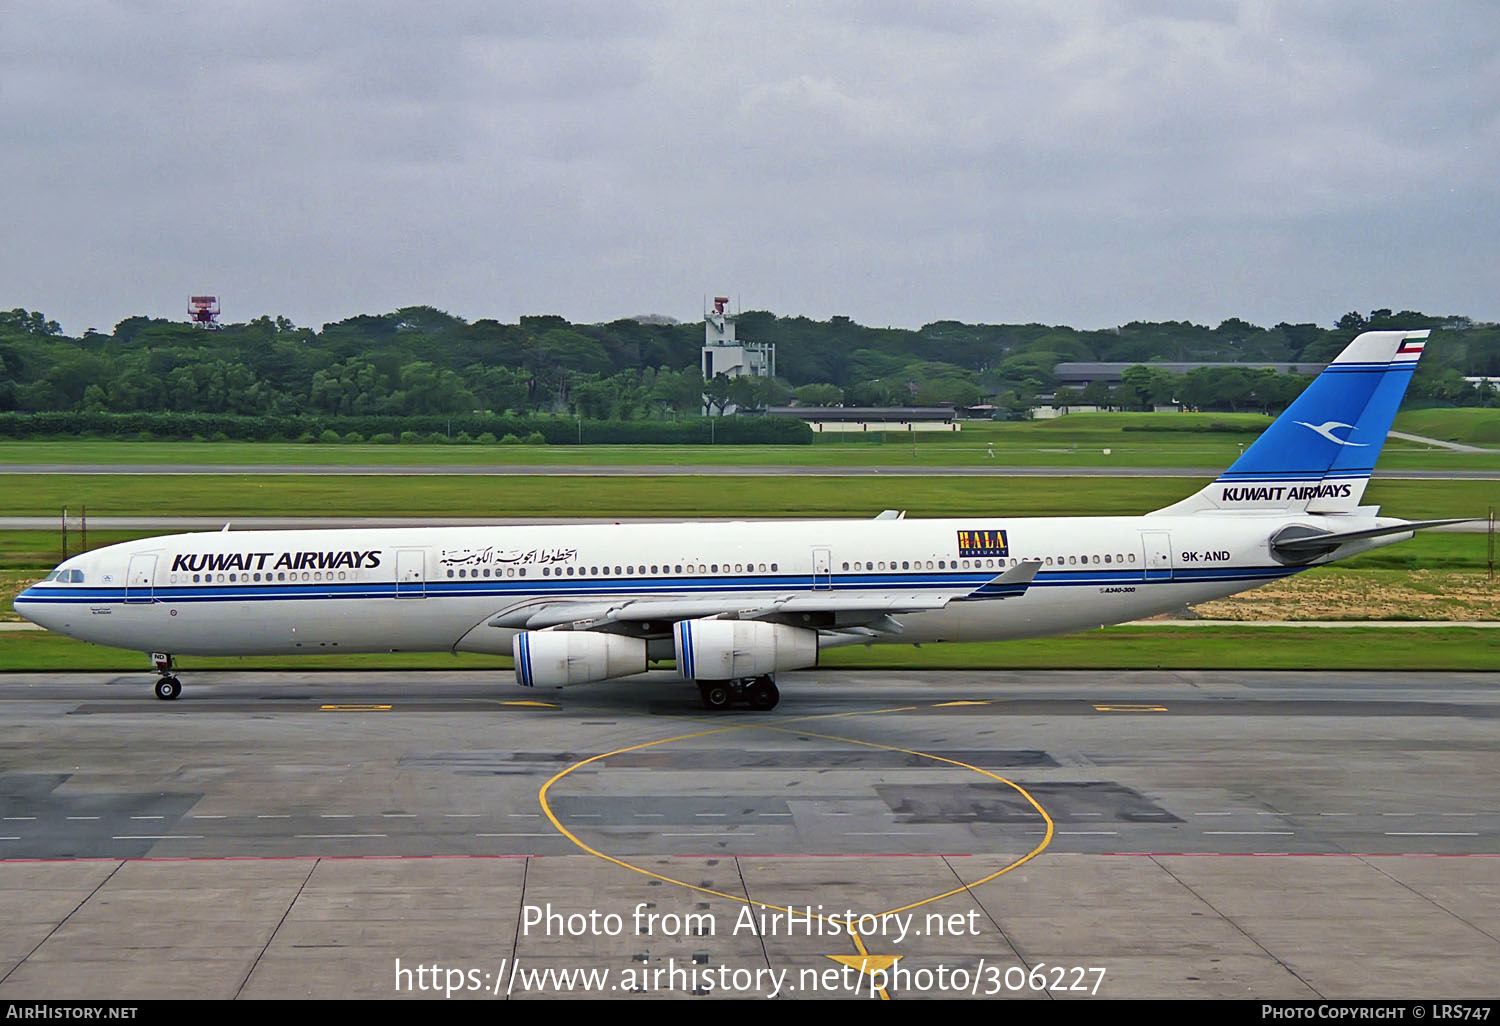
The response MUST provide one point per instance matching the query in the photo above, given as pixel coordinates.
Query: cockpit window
(75, 576)
(51, 577)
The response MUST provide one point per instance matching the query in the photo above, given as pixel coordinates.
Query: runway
(662, 470)
(1239, 834)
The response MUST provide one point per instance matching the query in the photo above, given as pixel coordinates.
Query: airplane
(733, 604)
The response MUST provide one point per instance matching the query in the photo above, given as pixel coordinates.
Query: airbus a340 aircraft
(733, 605)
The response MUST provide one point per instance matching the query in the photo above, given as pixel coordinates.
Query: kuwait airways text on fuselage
(352, 559)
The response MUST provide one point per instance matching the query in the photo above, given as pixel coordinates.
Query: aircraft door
(140, 579)
(1158, 552)
(822, 569)
(411, 575)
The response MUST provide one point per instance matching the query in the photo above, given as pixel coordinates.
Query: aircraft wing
(542, 613)
(847, 606)
(1010, 584)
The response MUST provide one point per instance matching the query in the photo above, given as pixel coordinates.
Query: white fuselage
(436, 589)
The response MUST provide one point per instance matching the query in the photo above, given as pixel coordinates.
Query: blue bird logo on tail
(1326, 430)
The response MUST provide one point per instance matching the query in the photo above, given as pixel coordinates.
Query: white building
(724, 354)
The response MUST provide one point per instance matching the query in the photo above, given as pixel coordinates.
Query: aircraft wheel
(763, 694)
(168, 688)
(715, 694)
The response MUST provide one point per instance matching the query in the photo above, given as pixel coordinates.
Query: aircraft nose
(23, 604)
(28, 607)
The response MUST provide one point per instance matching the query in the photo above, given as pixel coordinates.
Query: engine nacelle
(551, 659)
(725, 649)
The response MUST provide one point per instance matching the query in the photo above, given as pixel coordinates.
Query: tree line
(422, 362)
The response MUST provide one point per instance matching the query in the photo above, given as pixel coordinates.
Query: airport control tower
(724, 354)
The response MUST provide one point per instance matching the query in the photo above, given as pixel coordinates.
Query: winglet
(1011, 584)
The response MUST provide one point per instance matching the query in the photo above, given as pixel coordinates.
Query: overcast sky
(898, 162)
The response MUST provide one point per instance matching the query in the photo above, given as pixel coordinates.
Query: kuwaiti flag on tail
(1317, 456)
(1411, 346)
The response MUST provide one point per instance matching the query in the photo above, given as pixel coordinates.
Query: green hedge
(1196, 426)
(551, 430)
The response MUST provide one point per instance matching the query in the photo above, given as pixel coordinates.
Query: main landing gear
(759, 693)
(167, 686)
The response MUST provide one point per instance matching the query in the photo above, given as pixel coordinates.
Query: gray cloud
(1089, 162)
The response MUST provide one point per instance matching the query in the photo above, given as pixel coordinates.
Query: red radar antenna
(203, 310)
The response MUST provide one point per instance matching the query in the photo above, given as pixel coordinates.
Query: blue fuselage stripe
(605, 588)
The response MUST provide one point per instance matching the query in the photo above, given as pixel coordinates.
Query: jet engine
(552, 659)
(728, 649)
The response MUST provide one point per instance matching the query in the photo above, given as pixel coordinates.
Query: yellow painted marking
(944, 705)
(534, 705)
(1131, 708)
(865, 962)
(557, 823)
(355, 708)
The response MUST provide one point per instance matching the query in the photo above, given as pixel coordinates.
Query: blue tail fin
(1317, 456)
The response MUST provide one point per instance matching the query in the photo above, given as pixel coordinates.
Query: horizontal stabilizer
(1298, 543)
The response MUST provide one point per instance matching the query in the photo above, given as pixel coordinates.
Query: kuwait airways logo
(1326, 430)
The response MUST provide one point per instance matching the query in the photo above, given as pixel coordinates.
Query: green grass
(230, 496)
(39, 651)
(1429, 550)
(1472, 426)
(1152, 440)
(1202, 648)
(1260, 648)
(968, 448)
(44, 549)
